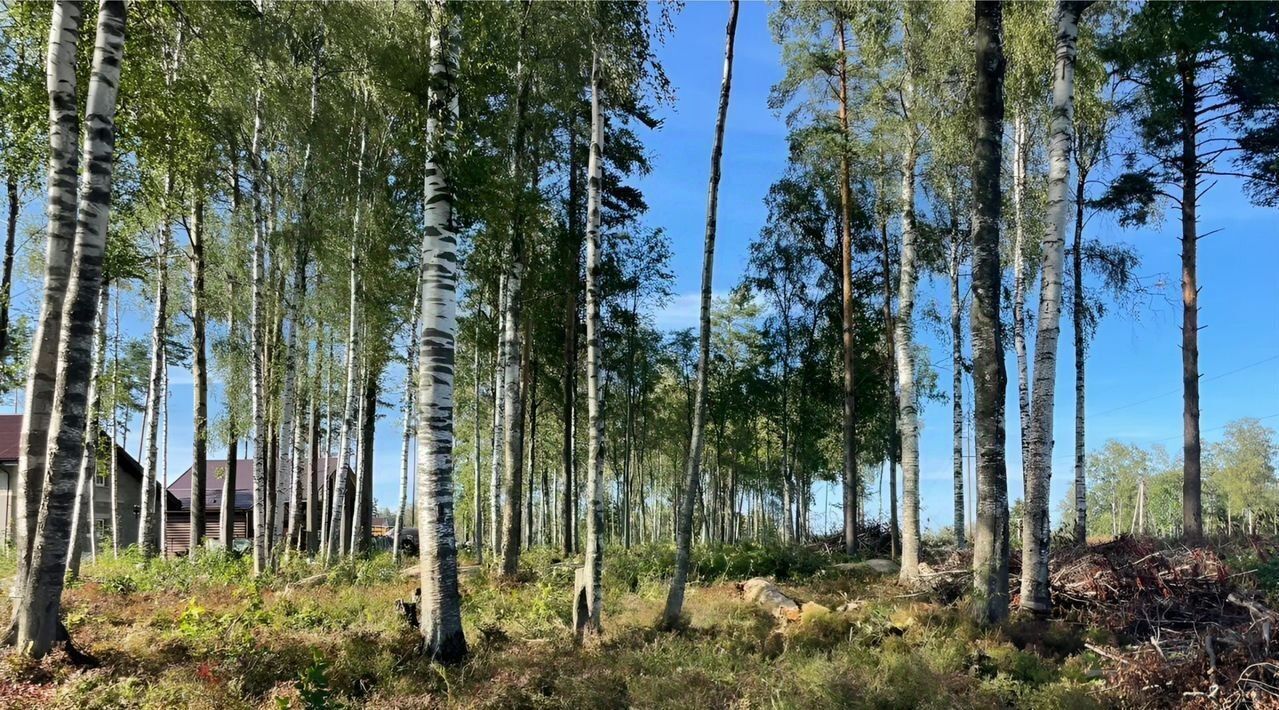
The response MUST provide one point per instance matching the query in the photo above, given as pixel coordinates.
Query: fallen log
(768, 595)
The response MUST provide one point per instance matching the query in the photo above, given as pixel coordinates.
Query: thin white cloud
(680, 312)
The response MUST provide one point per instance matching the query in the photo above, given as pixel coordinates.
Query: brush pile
(1186, 633)
(1137, 586)
(1182, 631)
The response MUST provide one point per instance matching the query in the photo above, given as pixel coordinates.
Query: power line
(1175, 391)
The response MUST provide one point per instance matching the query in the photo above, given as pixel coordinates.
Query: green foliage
(379, 568)
(132, 573)
(713, 563)
(313, 685)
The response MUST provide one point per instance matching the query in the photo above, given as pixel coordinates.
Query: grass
(204, 635)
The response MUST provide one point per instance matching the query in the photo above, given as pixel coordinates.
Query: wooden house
(177, 528)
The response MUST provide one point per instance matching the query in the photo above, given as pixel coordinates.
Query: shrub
(712, 563)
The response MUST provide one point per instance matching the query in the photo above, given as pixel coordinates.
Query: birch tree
(441, 618)
(1036, 529)
(336, 538)
(673, 611)
(903, 338)
(199, 377)
(257, 340)
(588, 592)
(408, 411)
(64, 166)
(513, 337)
(147, 528)
(39, 596)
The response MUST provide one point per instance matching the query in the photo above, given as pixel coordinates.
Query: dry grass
(219, 642)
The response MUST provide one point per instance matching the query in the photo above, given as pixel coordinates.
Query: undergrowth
(201, 633)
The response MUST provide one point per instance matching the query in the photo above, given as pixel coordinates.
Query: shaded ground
(201, 635)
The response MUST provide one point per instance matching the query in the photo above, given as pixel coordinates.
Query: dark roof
(215, 470)
(10, 436)
(11, 446)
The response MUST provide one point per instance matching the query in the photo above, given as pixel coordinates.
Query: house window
(100, 526)
(100, 478)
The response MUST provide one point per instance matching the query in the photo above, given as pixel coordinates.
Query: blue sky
(1134, 369)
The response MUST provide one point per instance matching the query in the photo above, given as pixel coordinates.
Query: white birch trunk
(338, 505)
(673, 611)
(63, 179)
(441, 617)
(1019, 282)
(904, 343)
(495, 465)
(588, 594)
(40, 597)
(287, 474)
(513, 328)
(258, 335)
(353, 535)
(957, 387)
(408, 411)
(1036, 531)
(326, 492)
(164, 457)
(82, 517)
(151, 430)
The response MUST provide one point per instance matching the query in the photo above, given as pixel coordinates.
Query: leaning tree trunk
(673, 612)
(588, 589)
(159, 336)
(441, 617)
(904, 341)
(64, 166)
(849, 413)
(40, 592)
(1036, 529)
(338, 500)
(990, 534)
(82, 516)
(200, 381)
(1192, 509)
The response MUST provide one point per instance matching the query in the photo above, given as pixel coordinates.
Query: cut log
(768, 595)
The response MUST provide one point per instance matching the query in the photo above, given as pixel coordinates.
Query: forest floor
(182, 634)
